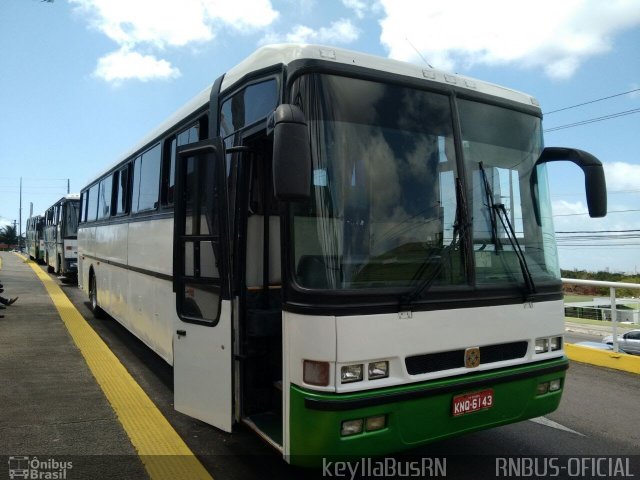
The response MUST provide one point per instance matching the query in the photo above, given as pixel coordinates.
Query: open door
(202, 345)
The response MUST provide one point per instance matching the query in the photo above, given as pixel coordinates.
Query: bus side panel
(152, 309)
(50, 245)
(86, 249)
(151, 245)
(111, 277)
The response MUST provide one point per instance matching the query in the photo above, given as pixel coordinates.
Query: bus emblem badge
(472, 357)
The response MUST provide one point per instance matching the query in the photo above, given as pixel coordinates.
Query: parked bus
(35, 238)
(348, 254)
(60, 235)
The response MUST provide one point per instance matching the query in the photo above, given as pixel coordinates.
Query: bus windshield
(383, 202)
(383, 210)
(71, 220)
(501, 147)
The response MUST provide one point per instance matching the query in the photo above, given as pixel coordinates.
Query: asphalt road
(599, 415)
(575, 337)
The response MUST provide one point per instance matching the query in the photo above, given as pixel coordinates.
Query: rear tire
(93, 297)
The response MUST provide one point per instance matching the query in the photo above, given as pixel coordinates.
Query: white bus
(60, 235)
(35, 238)
(350, 255)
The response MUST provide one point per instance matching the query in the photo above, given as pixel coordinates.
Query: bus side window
(146, 179)
(104, 197)
(120, 190)
(247, 106)
(168, 171)
(82, 208)
(92, 203)
(194, 133)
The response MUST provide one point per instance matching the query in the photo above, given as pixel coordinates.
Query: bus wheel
(93, 297)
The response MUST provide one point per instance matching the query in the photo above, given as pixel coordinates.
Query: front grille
(435, 362)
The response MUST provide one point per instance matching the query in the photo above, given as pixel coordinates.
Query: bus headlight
(378, 370)
(351, 373)
(556, 343)
(351, 427)
(542, 345)
(376, 423)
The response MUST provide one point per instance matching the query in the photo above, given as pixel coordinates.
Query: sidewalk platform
(51, 407)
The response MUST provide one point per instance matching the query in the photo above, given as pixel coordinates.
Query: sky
(82, 81)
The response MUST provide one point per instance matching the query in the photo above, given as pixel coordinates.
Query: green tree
(9, 235)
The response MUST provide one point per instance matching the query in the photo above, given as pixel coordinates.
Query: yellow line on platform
(161, 450)
(603, 358)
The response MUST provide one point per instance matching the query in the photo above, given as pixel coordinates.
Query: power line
(591, 101)
(594, 120)
(587, 213)
(600, 231)
(609, 192)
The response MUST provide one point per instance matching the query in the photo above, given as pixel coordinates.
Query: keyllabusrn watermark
(385, 467)
(34, 468)
(550, 467)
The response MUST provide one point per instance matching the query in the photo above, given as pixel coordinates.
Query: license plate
(472, 402)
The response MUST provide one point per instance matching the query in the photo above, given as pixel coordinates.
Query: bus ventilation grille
(435, 362)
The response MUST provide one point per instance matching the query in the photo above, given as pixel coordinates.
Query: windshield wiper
(420, 279)
(499, 211)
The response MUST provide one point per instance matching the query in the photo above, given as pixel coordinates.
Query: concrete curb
(603, 358)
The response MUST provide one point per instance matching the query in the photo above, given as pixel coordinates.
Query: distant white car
(628, 342)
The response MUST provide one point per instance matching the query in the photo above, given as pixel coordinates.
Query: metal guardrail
(612, 293)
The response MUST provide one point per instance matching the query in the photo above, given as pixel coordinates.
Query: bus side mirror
(594, 181)
(291, 154)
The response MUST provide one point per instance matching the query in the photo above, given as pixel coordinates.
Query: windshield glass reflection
(383, 198)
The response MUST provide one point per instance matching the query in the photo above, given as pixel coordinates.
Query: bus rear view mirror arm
(594, 181)
(291, 154)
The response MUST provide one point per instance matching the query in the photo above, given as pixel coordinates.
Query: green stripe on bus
(316, 435)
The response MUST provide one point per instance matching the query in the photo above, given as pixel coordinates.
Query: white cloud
(622, 176)
(362, 7)
(562, 207)
(359, 7)
(160, 24)
(125, 65)
(340, 31)
(555, 36)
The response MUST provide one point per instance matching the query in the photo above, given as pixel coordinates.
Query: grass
(600, 323)
(577, 298)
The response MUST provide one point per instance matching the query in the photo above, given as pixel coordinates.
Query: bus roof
(286, 53)
(68, 196)
(283, 54)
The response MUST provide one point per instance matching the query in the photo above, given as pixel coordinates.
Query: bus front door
(202, 345)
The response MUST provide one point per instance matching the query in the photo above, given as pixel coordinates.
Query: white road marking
(550, 423)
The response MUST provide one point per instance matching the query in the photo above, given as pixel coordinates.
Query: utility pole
(68, 186)
(14, 229)
(20, 218)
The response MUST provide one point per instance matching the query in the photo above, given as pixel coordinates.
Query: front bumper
(416, 413)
